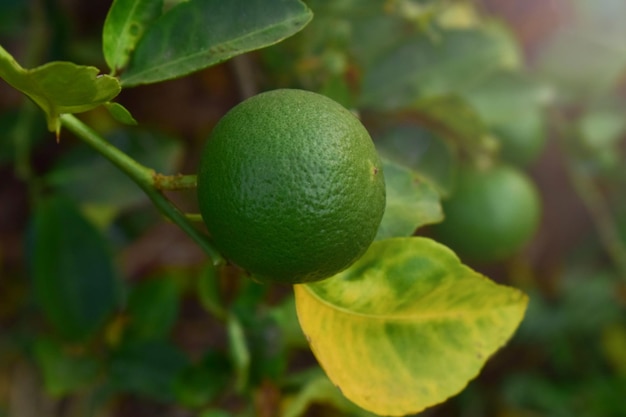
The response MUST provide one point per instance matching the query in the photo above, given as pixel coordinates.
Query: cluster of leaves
(441, 84)
(579, 324)
(405, 328)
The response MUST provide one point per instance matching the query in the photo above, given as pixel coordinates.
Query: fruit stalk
(146, 178)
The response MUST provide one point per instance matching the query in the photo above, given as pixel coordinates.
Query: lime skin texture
(290, 187)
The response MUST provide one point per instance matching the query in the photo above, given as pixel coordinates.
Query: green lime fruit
(290, 186)
(491, 214)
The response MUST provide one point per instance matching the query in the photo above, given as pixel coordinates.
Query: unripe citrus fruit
(290, 186)
(491, 214)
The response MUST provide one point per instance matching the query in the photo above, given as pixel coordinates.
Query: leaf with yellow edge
(407, 326)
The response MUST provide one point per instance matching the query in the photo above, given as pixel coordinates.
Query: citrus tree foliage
(408, 326)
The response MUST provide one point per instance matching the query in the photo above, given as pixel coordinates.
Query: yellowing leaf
(407, 326)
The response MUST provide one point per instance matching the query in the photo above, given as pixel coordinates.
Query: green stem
(175, 182)
(143, 176)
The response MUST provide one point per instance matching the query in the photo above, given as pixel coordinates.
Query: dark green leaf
(125, 23)
(267, 347)
(152, 309)
(453, 117)
(148, 370)
(422, 151)
(411, 202)
(250, 295)
(374, 35)
(264, 338)
(199, 33)
(198, 384)
(512, 107)
(538, 393)
(423, 67)
(582, 295)
(72, 270)
(59, 87)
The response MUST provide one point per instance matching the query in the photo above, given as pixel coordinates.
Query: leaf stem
(147, 179)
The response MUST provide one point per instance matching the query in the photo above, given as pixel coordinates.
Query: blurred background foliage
(141, 324)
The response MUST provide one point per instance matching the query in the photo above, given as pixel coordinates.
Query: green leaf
(72, 270)
(120, 113)
(149, 370)
(266, 342)
(262, 341)
(411, 202)
(453, 117)
(374, 35)
(152, 309)
(512, 107)
(199, 33)
(125, 23)
(199, 383)
(407, 326)
(422, 151)
(422, 67)
(59, 87)
(64, 370)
